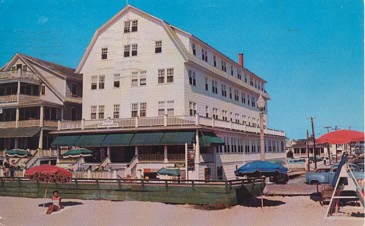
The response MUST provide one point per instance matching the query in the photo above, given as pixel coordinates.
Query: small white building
(149, 88)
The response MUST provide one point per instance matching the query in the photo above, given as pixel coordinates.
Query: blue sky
(310, 52)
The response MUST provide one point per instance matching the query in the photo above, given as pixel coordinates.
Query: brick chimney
(240, 59)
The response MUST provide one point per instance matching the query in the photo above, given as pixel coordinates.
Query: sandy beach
(298, 210)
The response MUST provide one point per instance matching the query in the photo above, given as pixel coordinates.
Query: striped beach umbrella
(17, 153)
(77, 153)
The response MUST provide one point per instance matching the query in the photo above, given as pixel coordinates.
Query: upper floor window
(224, 68)
(116, 80)
(104, 53)
(251, 81)
(192, 107)
(194, 50)
(206, 84)
(101, 81)
(204, 55)
(158, 46)
(101, 111)
(134, 49)
(134, 82)
(74, 88)
(134, 112)
(207, 111)
(116, 111)
(230, 93)
(236, 95)
(94, 81)
(25, 67)
(224, 115)
(215, 113)
(161, 76)
(134, 25)
(215, 61)
(127, 49)
(214, 86)
(43, 90)
(239, 75)
(224, 90)
(142, 81)
(170, 75)
(192, 79)
(243, 98)
(142, 109)
(231, 70)
(93, 112)
(127, 26)
(245, 78)
(253, 102)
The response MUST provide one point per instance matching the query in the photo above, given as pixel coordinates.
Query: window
(224, 90)
(214, 86)
(93, 112)
(215, 61)
(134, 110)
(206, 84)
(116, 80)
(237, 118)
(215, 113)
(192, 80)
(245, 78)
(127, 49)
(101, 111)
(127, 26)
(158, 46)
(170, 111)
(239, 75)
(231, 70)
(134, 25)
(248, 99)
(253, 102)
(194, 50)
(161, 76)
(204, 55)
(142, 81)
(134, 49)
(170, 75)
(43, 90)
(94, 80)
(134, 82)
(207, 111)
(192, 107)
(25, 67)
(101, 81)
(116, 111)
(142, 109)
(161, 108)
(74, 89)
(236, 95)
(243, 98)
(230, 93)
(224, 115)
(224, 68)
(251, 81)
(104, 53)
(255, 84)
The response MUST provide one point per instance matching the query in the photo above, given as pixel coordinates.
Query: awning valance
(19, 132)
(178, 138)
(146, 139)
(65, 141)
(90, 140)
(122, 139)
(207, 139)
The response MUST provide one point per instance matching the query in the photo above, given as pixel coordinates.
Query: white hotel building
(153, 92)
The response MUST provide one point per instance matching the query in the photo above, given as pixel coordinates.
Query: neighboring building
(149, 88)
(300, 148)
(34, 96)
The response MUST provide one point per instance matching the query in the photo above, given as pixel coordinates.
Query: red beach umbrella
(49, 174)
(341, 137)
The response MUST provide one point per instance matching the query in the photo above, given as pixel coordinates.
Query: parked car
(325, 175)
(318, 159)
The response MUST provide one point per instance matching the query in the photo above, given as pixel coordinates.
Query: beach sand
(300, 210)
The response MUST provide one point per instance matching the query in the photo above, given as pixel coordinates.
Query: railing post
(58, 125)
(82, 124)
(165, 120)
(197, 119)
(136, 122)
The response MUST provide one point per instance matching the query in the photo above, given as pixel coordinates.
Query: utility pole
(314, 144)
(307, 151)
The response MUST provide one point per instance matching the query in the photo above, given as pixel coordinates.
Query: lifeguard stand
(346, 182)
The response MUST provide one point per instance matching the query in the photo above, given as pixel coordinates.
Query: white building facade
(142, 75)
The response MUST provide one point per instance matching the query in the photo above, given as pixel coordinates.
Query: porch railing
(8, 124)
(50, 123)
(29, 123)
(8, 99)
(163, 121)
(150, 157)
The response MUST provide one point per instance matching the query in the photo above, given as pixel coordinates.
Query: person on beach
(56, 203)
(12, 168)
(6, 166)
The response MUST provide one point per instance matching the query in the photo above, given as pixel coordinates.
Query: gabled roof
(170, 29)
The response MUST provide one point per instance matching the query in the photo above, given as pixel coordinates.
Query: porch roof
(19, 132)
(65, 141)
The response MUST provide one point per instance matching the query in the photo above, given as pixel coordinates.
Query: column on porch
(41, 116)
(165, 159)
(136, 151)
(197, 154)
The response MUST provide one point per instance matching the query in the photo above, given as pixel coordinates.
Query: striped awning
(94, 140)
(65, 141)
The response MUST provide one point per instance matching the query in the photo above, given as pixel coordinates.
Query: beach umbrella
(48, 174)
(260, 168)
(19, 153)
(77, 153)
(169, 172)
(341, 137)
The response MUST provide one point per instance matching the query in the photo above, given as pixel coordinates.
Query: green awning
(77, 153)
(146, 139)
(207, 139)
(20, 153)
(65, 141)
(178, 138)
(122, 139)
(19, 132)
(90, 140)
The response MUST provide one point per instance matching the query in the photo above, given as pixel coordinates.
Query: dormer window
(25, 67)
(134, 25)
(194, 50)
